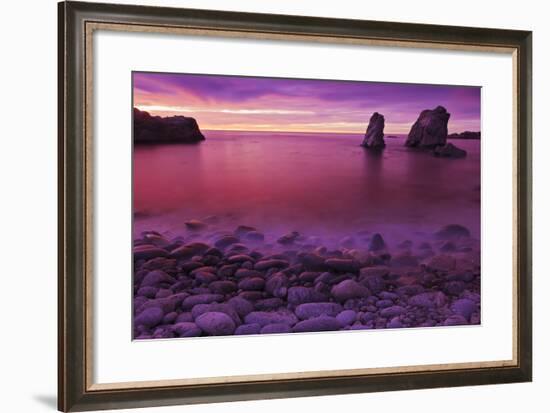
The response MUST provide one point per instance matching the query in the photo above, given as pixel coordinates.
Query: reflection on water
(314, 183)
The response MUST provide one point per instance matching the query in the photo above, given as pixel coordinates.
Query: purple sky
(268, 104)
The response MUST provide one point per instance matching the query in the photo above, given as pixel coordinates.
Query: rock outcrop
(465, 135)
(430, 129)
(449, 151)
(174, 129)
(374, 137)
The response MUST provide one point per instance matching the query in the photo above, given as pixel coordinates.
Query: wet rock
(271, 263)
(384, 303)
(342, 265)
(149, 292)
(277, 284)
(312, 261)
(226, 241)
(245, 329)
(227, 270)
(377, 243)
(150, 317)
(454, 287)
(252, 284)
(146, 252)
(430, 129)
(404, 260)
(186, 329)
(246, 273)
(464, 307)
(449, 151)
(225, 308)
(374, 136)
(254, 236)
(442, 262)
(205, 277)
(157, 278)
(222, 287)
(184, 317)
(392, 311)
(277, 328)
(299, 295)
(428, 299)
(349, 289)
(394, 323)
(215, 323)
(193, 300)
(453, 231)
(321, 323)
(346, 317)
(455, 320)
(243, 230)
(268, 304)
(312, 310)
(289, 238)
(189, 250)
(273, 317)
(169, 318)
(195, 225)
(241, 306)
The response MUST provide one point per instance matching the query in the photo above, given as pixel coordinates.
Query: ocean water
(318, 184)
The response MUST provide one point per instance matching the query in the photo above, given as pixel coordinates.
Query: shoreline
(211, 282)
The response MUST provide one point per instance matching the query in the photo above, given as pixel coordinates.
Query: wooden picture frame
(77, 21)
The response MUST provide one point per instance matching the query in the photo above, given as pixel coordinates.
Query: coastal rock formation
(465, 135)
(374, 137)
(174, 129)
(430, 129)
(449, 151)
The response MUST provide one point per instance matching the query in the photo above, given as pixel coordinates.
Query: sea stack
(174, 129)
(430, 129)
(374, 137)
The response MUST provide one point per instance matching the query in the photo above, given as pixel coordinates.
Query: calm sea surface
(318, 184)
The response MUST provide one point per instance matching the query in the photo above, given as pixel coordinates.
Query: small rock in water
(254, 236)
(449, 151)
(377, 243)
(195, 225)
(452, 231)
(226, 241)
(243, 229)
(442, 262)
(289, 238)
(216, 323)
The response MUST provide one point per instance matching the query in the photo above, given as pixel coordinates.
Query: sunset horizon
(235, 103)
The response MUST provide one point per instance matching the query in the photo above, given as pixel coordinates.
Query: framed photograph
(262, 206)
